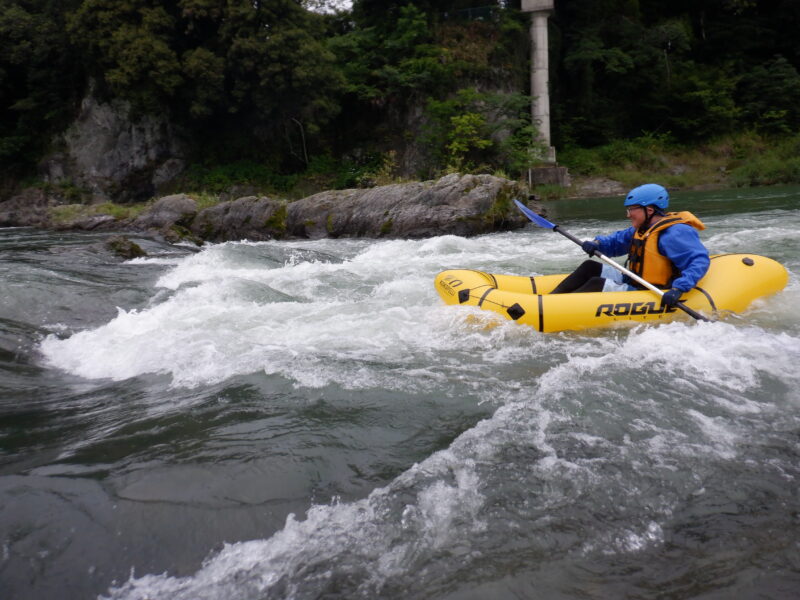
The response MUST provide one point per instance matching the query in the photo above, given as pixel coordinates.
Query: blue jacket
(679, 243)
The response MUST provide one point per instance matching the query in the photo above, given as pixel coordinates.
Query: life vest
(646, 261)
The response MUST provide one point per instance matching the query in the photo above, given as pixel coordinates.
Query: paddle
(542, 222)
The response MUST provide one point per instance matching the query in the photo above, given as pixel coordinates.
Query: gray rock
(168, 171)
(93, 222)
(122, 247)
(251, 218)
(178, 209)
(455, 204)
(28, 208)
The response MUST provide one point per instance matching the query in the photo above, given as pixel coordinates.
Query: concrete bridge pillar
(540, 70)
(540, 87)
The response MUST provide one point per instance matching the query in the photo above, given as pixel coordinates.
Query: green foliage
(130, 42)
(386, 62)
(67, 213)
(322, 100)
(703, 105)
(742, 159)
(220, 178)
(473, 129)
(326, 172)
(263, 62)
(767, 170)
(551, 192)
(777, 162)
(206, 71)
(323, 172)
(467, 133)
(696, 70)
(645, 152)
(770, 96)
(37, 80)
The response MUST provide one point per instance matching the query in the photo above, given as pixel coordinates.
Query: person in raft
(663, 248)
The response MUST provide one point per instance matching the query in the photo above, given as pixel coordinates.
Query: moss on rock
(122, 247)
(276, 223)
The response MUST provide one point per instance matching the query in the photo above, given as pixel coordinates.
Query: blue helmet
(649, 194)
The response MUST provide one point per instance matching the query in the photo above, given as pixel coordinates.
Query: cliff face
(114, 156)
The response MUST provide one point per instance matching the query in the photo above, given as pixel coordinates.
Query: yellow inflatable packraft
(733, 281)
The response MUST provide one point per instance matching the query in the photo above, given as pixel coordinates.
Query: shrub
(221, 177)
(767, 170)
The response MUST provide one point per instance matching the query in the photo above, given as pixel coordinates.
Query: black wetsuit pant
(586, 278)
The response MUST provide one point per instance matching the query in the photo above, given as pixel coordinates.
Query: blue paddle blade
(539, 220)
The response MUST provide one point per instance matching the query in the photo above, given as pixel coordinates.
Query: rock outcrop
(455, 204)
(177, 209)
(28, 208)
(113, 156)
(251, 218)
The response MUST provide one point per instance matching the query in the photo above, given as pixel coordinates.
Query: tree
(249, 70)
(770, 96)
(40, 79)
(132, 49)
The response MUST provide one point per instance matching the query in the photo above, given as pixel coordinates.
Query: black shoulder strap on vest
(663, 223)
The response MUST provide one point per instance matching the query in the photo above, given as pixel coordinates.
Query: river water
(308, 420)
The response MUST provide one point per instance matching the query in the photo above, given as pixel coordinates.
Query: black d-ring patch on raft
(463, 296)
(516, 311)
(541, 313)
(708, 297)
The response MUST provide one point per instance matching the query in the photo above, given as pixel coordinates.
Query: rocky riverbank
(455, 204)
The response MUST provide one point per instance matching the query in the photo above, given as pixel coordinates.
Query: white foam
(628, 541)
(316, 322)
(716, 431)
(721, 354)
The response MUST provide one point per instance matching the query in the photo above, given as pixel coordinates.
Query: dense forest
(275, 84)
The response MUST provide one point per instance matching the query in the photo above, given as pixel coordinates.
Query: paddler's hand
(590, 247)
(671, 297)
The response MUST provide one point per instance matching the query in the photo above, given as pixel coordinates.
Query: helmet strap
(648, 218)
